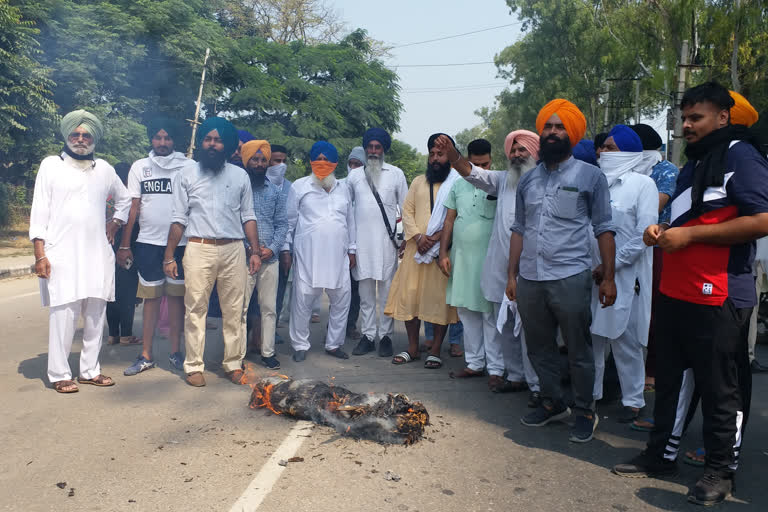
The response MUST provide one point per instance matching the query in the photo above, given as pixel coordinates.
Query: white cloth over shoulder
(69, 213)
(437, 218)
(321, 227)
(507, 306)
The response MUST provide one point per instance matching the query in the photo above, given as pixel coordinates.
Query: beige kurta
(418, 289)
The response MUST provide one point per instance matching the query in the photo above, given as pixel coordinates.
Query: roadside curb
(15, 271)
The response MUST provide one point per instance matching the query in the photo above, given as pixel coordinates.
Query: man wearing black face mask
(269, 206)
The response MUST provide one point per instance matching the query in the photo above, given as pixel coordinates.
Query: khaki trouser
(265, 283)
(225, 266)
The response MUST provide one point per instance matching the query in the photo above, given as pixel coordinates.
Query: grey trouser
(545, 305)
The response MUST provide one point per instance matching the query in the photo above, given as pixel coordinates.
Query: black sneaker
(271, 362)
(711, 489)
(543, 415)
(583, 428)
(385, 347)
(646, 466)
(366, 345)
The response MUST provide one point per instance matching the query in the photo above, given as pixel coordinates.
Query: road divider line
(270, 472)
(21, 296)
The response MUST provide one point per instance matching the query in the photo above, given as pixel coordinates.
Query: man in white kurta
(505, 351)
(377, 243)
(321, 227)
(634, 206)
(72, 237)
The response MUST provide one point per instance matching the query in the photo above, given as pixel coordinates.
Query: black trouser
(354, 305)
(712, 342)
(120, 313)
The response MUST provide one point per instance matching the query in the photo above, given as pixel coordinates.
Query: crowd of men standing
(576, 248)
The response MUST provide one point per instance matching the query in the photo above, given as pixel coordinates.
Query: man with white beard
(73, 254)
(378, 189)
(321, 229)
(634, 206)
(522, 149)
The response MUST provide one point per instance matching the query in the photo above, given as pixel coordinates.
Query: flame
(262, 397)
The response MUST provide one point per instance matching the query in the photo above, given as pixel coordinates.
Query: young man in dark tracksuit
(719, 209)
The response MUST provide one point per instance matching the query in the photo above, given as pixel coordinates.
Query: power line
(453, 89)
(456, 35)
(440, 65)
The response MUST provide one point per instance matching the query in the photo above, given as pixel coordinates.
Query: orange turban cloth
(574, 121)
(742, 112)
(252, 147)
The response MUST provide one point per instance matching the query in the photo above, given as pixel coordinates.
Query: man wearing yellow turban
(742, 111)
(73, 256)
(550, 264)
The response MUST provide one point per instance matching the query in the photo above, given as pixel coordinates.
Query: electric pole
(677, 134)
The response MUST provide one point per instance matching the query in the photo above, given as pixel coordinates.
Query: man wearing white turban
(73, 253)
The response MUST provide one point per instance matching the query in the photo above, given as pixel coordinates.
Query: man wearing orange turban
(550, 264)
(742, 112)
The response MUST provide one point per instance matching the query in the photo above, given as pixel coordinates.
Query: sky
(429, 104)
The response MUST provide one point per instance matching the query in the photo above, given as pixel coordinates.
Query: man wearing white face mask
(278, 165)
(634, 203)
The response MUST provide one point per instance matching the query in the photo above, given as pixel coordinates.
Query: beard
(437, 172)
(258, 175)
(163, 150)
(327, 183)
(373, 167)
(78, 149)
(211, 159)
(517, 167)
(556, 151)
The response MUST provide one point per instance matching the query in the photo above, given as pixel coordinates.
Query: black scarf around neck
(74, 155)
(710, 154)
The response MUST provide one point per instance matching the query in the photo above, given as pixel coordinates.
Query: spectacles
(84, 136)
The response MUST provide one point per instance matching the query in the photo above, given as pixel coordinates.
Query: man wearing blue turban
(378, 190)
(67, 222)
(212, 207)
(243, 137)
(321, 228)
(634, 206)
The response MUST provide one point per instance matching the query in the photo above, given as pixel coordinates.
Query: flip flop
(101, 381)
(61, 384)
(466, 373)
(692, 458)
(405, 357)
(433, 363)
(129, 340)
(642, 425)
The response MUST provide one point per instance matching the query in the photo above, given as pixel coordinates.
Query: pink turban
(528, 140)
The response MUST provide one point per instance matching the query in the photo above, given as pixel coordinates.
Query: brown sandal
(65, 386)
(456, 350)
(129, 340)
(236, 376)
(466, 373)
(101, 381)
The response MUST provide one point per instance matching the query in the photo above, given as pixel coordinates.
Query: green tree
(407, 158)
(297, 94)
(27, 112)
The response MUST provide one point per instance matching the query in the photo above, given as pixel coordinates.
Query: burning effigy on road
(385, 418)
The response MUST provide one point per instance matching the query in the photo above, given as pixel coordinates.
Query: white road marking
(21, 296)
(270, 472)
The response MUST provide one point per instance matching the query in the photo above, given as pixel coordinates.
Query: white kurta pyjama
(69, 213)
(321, 228)
(634, 207)
(494, 278)
(376, 254)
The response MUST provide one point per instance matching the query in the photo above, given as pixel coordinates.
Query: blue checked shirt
(271, 220)
(665, 175)
(553, 213)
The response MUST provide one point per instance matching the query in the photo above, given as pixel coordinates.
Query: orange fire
(262, 397)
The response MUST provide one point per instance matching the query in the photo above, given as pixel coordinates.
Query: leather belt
(212, 241)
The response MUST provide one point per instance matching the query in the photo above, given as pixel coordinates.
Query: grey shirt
(494, 278)
(212, 205)
(553, 212)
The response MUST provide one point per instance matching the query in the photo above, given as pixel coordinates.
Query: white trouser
(265, 283)
(368, 289)
(304, 297)
(514, 350)
(62, 323)
(752, 339)
(628, 355)
(479, 327)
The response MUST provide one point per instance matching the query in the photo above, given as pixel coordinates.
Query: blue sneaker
(271, 362)
(139, 366)
(177, 361)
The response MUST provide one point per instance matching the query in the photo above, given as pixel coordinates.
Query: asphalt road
(153, 443)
